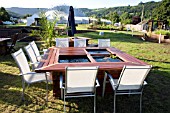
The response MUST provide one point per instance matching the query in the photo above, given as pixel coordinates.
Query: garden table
(108, 59)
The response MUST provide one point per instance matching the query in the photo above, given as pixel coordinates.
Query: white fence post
(160, 38)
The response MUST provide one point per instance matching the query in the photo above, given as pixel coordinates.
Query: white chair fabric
(62, 42)
(31, 54)
(131, 81)
(80, 81)
(36, 50)
(79, 42)
(28, 76)
(103, 42)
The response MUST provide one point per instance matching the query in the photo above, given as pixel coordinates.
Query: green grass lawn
(156, 95)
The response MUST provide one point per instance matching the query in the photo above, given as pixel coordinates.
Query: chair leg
(95, 101)
(62, 94)
(141, 103)
(23, 90)
(104, 84)
(114, 102)
(46, 88)
(64, 102)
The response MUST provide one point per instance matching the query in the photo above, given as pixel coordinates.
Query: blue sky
(74, 3)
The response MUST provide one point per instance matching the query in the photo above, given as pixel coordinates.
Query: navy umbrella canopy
(71, 22)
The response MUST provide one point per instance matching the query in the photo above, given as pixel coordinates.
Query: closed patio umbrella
(71, 22)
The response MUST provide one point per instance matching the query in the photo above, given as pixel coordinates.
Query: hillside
(23, 11)
(134, 10)
(100, 12)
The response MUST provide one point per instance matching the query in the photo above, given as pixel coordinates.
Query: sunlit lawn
(156, 97)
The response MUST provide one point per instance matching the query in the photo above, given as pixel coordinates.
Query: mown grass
(156, 96)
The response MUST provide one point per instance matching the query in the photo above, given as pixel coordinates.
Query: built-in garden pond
(98, 55)
(106, 59)
(73, 59)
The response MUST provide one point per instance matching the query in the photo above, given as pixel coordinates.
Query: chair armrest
(39, 56)
(61, 82)
(111, 80)
(34, 63)
(44, 51)
(145, 83)
(97, 82)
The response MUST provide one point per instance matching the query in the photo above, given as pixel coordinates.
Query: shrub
(163, 32)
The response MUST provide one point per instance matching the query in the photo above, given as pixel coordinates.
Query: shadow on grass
(7, 60)
(11, 90)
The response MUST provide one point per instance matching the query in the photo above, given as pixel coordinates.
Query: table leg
(56, 81)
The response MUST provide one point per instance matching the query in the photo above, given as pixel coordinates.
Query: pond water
(73, 59)
(106, 59)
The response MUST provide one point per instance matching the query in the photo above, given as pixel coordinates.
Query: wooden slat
(49, 57)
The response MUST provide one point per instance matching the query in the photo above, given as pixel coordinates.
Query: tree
(47, 30)
(4, 16)
(126, 18)
(27, 15)
(162, 12)
(113, 17)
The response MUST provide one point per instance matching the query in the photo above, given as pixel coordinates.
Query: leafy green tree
(4, 16)
(162, 12)
(113, 17)
(27, 15)
(47, 30)
(126, 18)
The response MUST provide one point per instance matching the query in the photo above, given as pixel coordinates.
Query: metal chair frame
(28, 76)
(12, 45)
(32, 56)
(116, 84)
(62, 42)
(79, 42)
(64, 87)
(103, 42)
(36, 50)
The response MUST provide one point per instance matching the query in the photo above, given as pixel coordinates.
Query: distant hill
(100, 12)
(134, 10)
(23, 11)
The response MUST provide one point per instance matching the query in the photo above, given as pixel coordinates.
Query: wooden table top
(50, 61)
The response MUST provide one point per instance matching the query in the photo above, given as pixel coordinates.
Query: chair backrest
(14, 41)
(35, 48)
(62, 42)
(21, 61)
(80, 79)
(79, 42)
(103, 42)
(30, 53)
(132, 77)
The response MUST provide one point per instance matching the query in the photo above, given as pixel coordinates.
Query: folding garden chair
(36, 50)
(103, 42)
(62, 42)
(79, 42)
(131, 81)
(12, 45)
(31, 54)
(79, 82)
(28, 76)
